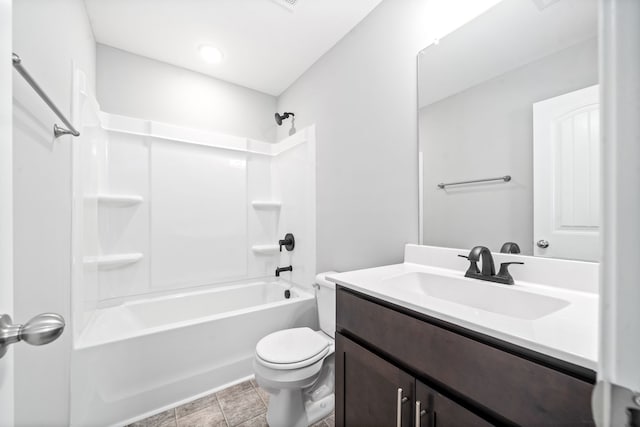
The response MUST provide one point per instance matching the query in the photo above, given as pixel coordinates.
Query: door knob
(543, 244)
(40, 330)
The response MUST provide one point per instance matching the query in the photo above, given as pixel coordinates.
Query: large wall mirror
(509, 142)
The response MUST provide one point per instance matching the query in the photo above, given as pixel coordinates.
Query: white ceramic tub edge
(119, 380)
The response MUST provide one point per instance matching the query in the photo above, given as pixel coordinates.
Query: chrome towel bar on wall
(505, 178)
(57, 130)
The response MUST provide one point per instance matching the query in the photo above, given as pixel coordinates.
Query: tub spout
(281, 269)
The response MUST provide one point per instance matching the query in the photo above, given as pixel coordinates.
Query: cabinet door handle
(419, 413)
(399, 403)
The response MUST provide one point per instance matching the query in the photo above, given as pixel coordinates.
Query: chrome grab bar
(505, 178)
(57, 130)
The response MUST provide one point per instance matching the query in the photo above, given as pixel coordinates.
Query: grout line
(251, 419)
(175, 415)
(226, 421)
(259, 395)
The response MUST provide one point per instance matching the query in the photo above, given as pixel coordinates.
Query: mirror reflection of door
(566, 174)
(476, 88)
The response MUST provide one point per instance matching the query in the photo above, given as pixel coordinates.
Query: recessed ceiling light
(211, 54)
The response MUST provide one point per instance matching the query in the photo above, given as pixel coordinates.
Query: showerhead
(284, 116)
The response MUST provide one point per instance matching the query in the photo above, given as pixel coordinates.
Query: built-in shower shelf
(265, 249)
(117, 200)
(266, 204)
(108, 262)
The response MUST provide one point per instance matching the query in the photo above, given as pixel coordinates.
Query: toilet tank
(326, 298)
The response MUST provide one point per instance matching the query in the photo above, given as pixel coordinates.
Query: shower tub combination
(175, 234)
(139, 358)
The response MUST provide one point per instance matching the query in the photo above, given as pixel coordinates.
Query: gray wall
(487, 131)
(362, 96)
(136, 86)
(48, 35)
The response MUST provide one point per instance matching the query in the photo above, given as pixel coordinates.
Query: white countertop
(569, 334)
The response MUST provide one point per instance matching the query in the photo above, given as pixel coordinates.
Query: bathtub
(144, 356)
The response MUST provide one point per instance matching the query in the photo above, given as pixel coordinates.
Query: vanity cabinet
(434, 409)
(374, 390)
(460, 378)
(371, 386)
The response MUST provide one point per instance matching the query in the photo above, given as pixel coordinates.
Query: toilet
(297, 366)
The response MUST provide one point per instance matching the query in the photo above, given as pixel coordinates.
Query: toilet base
(286, 409)
(320, 409)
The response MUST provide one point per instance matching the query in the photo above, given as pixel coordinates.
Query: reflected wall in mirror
(513, 93)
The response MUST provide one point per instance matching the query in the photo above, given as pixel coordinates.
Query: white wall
(136, 86)
(48, 35)
(496, 140)
(362, 97)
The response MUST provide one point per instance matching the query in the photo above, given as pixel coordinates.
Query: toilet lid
(292, 346)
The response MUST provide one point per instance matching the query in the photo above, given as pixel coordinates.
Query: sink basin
(499, 299)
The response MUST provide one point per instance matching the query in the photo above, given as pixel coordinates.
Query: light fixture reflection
(211, 54)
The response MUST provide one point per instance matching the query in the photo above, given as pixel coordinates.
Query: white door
(566, 176)
(41, 329)
(6, 207)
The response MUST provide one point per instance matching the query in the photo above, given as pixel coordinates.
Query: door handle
(419, 413)
(399, 403)
(544, 244)
(40, 330)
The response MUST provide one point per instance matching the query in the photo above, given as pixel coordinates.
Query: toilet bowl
(297, 367)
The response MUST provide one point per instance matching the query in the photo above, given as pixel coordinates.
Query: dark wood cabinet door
(438, 411)
(367, 388)
(513, 388)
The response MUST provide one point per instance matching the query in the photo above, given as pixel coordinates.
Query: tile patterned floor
(241, 405)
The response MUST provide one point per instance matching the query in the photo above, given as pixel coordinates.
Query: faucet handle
(510, 248)
(473, 266)
(504, 271)
(289, 242)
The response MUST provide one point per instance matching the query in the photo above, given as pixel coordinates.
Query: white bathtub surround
(173, 262)
(203, 207)
(160, 207)
(551, 309)
(144, 356)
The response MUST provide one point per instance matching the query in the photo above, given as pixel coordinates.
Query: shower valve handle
(288, 242)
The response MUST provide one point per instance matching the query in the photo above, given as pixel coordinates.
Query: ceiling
(266, 44)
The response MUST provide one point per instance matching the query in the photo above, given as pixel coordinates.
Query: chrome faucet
(488, 273)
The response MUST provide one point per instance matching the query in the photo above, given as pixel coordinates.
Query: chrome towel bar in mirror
(505, 178)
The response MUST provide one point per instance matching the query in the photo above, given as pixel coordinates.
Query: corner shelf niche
(116, 200)
(110, 262)
(265, 249)
(266, 205)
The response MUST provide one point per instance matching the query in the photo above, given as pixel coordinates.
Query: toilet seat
(291, 349)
